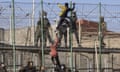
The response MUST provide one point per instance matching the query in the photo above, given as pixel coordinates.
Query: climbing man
(54, 54)
(103, 30)
(74, 28)
(63, 24)
(46, 27)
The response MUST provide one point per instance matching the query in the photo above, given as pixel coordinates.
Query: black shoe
(103, 44)
(79, 45)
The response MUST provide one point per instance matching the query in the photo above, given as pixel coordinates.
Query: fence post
(13, 36)
(99, 37)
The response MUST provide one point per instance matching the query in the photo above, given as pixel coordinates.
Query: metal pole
(33, 25)
(10, 30)
(112, 64)
(13, 36)
(96, 56)
(71, 50)
(43, 63)
(100, 46)
(80, 32)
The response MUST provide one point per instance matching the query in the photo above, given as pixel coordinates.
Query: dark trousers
(102, 41)
(46, 34)
(55, 60)
(60, 22)
(61, 34)
(76, 36)
(62, 27)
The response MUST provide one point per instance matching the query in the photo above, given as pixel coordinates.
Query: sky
(76, 1)
(114, 2)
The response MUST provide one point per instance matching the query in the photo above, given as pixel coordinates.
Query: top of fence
(23, 13)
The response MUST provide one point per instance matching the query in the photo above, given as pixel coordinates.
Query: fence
(25, 23)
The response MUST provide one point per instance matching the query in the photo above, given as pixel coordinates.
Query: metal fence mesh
(24, 33)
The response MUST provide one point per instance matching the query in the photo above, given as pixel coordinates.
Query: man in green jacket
(46, 34)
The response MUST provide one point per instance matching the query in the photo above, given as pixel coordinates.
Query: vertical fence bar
(33, 25)
(96, 57)
(43, 63)
(71, 50)
(10, 30)
(13, 36)
(100, 46)
(112, 63)
(80, 32)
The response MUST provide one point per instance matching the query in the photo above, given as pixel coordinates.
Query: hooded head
(44, 14)
(66, 5)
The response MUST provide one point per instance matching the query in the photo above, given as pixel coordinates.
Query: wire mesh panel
(88, 17)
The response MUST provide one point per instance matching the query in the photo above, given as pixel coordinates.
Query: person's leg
(76, 36)
(53, 60)
(44, 38)
(49, 37)
(58, 65)
(36, 40)
(60, 37)
(65, 38)
(102, 40)
(37, 36)
(40, 42)
(57, 60)
(60, 22)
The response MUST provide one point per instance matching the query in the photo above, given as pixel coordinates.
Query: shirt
(53, 51)
(63, 9)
